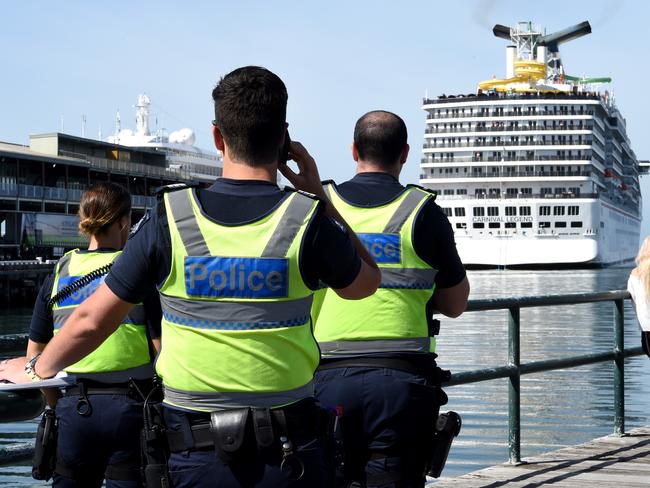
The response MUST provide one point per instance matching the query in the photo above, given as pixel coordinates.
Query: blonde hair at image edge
(643, 265)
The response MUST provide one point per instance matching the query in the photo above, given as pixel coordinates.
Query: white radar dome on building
(183, 136)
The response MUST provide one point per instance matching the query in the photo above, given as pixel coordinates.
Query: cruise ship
(535, 169)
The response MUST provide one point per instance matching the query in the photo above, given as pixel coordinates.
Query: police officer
(378, 367)
(235, 267)
(89, 447)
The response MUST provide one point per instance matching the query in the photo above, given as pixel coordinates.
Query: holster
(155, 450)
(447, 427)
(44, 461)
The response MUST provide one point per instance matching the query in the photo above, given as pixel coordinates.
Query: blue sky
(339, 59)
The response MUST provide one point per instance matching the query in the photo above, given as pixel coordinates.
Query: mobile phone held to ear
(284, 152)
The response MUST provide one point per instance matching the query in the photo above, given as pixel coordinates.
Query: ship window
(478, 225)
(459, 212)
(543, 225)
(559, 191)
(461, 225)
(526, 191)
(446, 211)
(479, 211)
(546, 191)
(511, 211)
(575, 191)
(526, 225)
(524, 210)
(558, 210)
(545, 210)
(494, 225)
(510, 225)
(576, 224)
(447, 192)
(493, 211)
(461, 191)
(560, 224)
(511, 191)
(574, 210)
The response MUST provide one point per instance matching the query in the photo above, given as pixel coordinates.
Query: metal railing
(515, 368)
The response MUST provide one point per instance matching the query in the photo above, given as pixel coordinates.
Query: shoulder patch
(140, 223)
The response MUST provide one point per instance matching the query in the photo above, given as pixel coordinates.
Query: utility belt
(420, 365)
(237, 434)
(136, 389)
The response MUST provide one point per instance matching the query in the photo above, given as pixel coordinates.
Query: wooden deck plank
(605, 462)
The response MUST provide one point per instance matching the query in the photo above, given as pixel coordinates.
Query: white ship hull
(608, 236)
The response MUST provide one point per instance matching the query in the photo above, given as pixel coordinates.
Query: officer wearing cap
(378, 367)
(235, 266)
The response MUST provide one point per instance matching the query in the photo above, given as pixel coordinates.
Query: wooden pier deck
(622, 462)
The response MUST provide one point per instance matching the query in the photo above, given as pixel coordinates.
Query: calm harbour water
(558, 408)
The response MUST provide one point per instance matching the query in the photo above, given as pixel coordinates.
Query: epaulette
(428, 190)
(161, 190)
(302, 192)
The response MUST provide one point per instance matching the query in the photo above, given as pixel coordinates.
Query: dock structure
(611, 461)
(20, 280)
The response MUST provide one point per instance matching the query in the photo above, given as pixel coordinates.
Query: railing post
(514, 406)
(619, 368)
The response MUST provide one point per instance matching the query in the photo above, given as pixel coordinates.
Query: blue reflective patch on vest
(384, 248)
(219, 277)
(79, 295)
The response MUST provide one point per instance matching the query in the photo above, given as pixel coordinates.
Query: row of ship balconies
(500, 112)
(54, 194)
(510, 127)
(430, 159)
(578, 141)
(505, 174)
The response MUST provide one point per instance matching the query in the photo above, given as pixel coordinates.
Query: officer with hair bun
(111, 379)
(236, 265)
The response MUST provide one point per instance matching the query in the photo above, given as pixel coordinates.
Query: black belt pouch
(229, 430)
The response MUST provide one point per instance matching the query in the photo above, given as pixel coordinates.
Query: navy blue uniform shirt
(433, 237)
(328, 254)
(41, 327)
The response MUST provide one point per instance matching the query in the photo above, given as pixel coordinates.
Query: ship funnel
(511, 56)
(552, 41)
(502, 31)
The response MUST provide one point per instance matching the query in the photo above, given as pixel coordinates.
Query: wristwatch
(29, 369)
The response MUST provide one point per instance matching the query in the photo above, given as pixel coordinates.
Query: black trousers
(387, 421)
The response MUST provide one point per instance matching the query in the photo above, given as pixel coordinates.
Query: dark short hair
(380, 137)
(250, 110)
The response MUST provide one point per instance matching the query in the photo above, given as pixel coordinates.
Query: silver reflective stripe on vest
(405, 209)
(62, 314)
(188, 227)
(288, 227)
(208, 401)
(410, 278)
(220, 315)
(64, 265)
(143, 372)
(352, 348)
